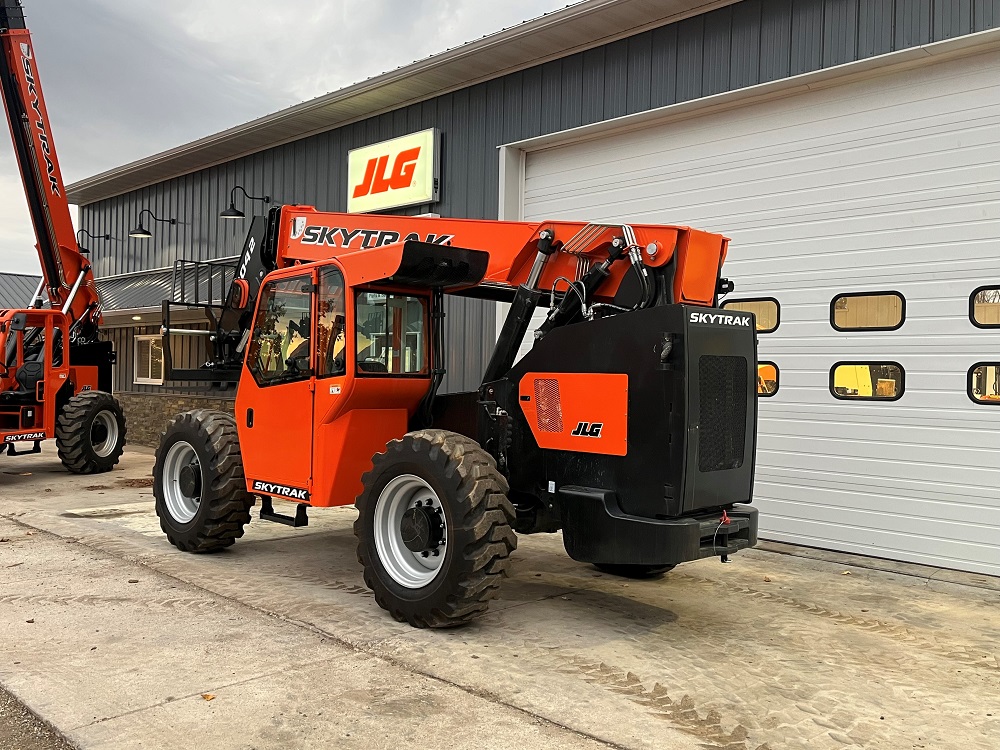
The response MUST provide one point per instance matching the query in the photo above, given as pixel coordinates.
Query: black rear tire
(219, 502)
(472, 496)
(90, 433)
(634, 571)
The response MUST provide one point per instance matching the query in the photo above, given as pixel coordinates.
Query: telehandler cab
(629, 425)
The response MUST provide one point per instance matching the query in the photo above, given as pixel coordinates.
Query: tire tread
(229, 503)
(481, 511)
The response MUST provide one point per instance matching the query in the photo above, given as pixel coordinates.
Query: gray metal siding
(16, 290)
(735, 46)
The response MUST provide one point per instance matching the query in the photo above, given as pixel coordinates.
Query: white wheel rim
(109, 422)
(412, 570)
(181, 506)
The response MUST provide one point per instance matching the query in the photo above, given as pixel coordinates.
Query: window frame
(153, 339)
(868, 362)
(428, 361)
(777, 380)
(867, 329)
(968, 381)
(777, 305)
(972, 308)
(348, 328)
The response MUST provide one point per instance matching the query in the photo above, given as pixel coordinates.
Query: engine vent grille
(722, 383)
(548, 405)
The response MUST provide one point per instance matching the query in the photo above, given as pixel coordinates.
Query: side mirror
(19, 322)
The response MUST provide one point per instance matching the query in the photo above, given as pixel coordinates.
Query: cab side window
(391, 334)
(280, 348)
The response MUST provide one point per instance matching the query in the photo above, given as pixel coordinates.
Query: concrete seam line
(220, 686)
(477, 692)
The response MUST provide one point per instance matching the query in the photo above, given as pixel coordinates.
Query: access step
(12, 451)
(301, 517)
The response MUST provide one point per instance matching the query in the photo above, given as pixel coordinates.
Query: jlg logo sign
(400, 172)
(377, 181)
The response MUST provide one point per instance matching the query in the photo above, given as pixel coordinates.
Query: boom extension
(67, 274)
(572, 266)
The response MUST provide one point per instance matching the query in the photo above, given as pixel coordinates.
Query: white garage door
(892, 183)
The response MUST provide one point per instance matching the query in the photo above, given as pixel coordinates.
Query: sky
(124, 79)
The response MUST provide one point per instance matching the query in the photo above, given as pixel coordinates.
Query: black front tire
(90, 433)
(478, 515)
(224, 505)
(634, 571)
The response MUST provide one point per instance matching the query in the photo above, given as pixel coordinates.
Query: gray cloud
(127, 78)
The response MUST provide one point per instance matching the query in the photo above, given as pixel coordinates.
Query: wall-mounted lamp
(84, 250)
(140, 232)
(234, 213)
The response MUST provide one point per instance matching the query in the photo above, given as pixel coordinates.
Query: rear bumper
(595, 530)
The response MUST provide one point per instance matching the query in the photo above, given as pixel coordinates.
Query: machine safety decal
(282, 490)
(24, 436)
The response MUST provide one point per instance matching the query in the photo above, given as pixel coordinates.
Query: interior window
(984, 383)
(883, 311)
(767, 378)
(331, 342)
(280, 347)
(766, 311)
(391, 333)
(984, 307)
(867, 380)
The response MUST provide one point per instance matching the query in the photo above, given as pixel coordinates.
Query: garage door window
(984, 307)
(984, 383)
(766, 310)
(767, 378)
(872, 381)
(868, 311)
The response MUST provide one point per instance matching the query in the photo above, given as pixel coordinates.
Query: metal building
(849, 148)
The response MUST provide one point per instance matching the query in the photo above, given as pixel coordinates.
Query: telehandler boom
(629, 424)
(55, 374)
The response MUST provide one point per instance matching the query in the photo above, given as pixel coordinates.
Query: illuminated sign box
(391, 174)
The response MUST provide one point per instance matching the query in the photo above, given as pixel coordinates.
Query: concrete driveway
(120, 641)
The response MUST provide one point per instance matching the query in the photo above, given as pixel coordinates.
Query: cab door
(274, 405)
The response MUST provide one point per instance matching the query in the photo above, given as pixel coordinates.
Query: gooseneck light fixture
(86, 251)
(234, 213)
(140, 232)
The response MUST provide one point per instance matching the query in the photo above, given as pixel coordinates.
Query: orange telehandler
(629, 425)
(55, 375)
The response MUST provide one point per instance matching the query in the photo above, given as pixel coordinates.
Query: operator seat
(27, 377)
